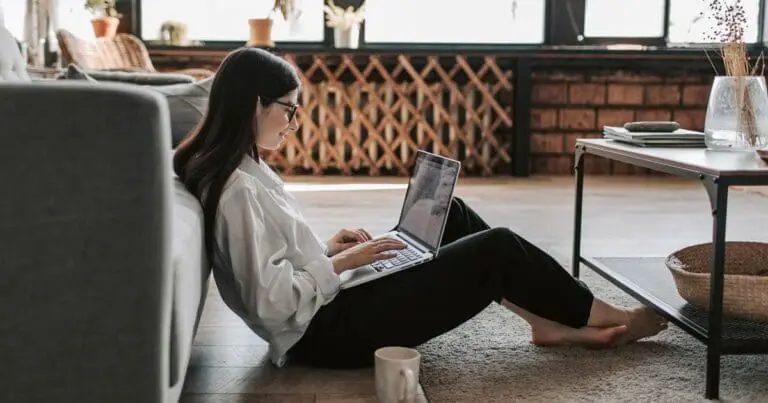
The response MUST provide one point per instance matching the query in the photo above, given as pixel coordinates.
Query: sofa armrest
(85, 299)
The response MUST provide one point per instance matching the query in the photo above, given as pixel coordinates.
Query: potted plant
(345, 24)
(737, 109)
(106, 18)
(261, 28)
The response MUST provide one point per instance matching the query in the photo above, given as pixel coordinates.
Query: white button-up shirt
(270, 267)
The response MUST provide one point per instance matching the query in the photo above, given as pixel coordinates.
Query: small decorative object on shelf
(737, 114)
(106, 18)
(261, 28)
(174, 33)
(737, 111)
(345, 24)
(745, 287)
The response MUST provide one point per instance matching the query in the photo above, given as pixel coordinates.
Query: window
(71, 15)
(442, 21)
(13, 16)
(691, 21)
(624, 19)
(227, 20)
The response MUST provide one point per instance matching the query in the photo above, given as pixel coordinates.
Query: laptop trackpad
(353, 276)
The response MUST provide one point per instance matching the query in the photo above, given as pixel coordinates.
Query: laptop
(423, 216)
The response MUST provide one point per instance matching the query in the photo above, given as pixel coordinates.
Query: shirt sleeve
(274, 291)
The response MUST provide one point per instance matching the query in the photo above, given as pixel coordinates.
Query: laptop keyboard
(403, 256)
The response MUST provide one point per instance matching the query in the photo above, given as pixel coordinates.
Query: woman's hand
(346, 239)
(366, 253)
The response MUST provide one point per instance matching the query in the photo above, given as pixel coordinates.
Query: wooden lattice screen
(369, 113)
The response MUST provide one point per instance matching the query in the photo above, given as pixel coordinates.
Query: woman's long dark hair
(205, 160)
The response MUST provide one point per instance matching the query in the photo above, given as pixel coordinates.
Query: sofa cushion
(73, 72)
(187, 102)
(190, 278)
(12, 66)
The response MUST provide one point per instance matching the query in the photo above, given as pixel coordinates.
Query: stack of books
(676, 138)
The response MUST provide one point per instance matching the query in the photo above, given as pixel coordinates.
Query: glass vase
(737, 114)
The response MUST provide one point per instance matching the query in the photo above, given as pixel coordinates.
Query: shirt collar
(261, 171)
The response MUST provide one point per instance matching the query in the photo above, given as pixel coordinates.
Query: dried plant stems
(736, 65)
(729, 29)
(735, 59)
(338, 17)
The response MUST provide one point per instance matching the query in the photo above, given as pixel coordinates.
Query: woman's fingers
(351, 236)
(385, 244)
(382, 248)
(365, 234)
(384, 255)
(360, 236)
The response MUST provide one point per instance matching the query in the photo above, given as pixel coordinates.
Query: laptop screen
(428, 198)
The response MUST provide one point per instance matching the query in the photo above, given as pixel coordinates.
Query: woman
(283, 281)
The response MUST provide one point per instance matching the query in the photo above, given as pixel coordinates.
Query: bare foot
(643, 322)
(560, 335)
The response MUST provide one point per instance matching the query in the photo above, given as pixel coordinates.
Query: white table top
(718, 163)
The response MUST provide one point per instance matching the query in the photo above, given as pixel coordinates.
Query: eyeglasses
(292, 108)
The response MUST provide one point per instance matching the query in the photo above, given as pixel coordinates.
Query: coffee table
(648, 280)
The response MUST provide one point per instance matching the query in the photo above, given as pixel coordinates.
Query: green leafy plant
(102, 7)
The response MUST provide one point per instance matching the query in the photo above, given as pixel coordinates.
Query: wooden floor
(624, 215)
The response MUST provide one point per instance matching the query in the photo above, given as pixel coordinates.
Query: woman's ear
(259, 108)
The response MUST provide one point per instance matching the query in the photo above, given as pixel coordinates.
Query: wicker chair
(124, 52)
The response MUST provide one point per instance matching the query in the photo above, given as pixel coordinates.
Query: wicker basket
(745, 290)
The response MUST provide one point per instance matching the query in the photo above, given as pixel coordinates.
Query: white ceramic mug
(397, 374)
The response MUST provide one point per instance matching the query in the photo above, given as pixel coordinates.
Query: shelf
(649, 280)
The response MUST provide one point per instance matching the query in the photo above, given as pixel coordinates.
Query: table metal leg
(718, 198)
(579, 172)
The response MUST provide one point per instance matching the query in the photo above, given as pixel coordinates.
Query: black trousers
(476, 265)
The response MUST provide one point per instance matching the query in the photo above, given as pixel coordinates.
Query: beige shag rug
(490, 359)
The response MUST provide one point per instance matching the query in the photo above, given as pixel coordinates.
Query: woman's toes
(643, 322)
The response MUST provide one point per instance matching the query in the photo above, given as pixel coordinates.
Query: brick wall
(568, 105)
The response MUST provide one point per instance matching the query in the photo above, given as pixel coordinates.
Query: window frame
(762, 23)
(559, 27)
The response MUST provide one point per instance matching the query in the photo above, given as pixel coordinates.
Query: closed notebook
(677, 138)
(679, 134)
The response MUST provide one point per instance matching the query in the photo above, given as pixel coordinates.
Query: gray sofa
(104, 273)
